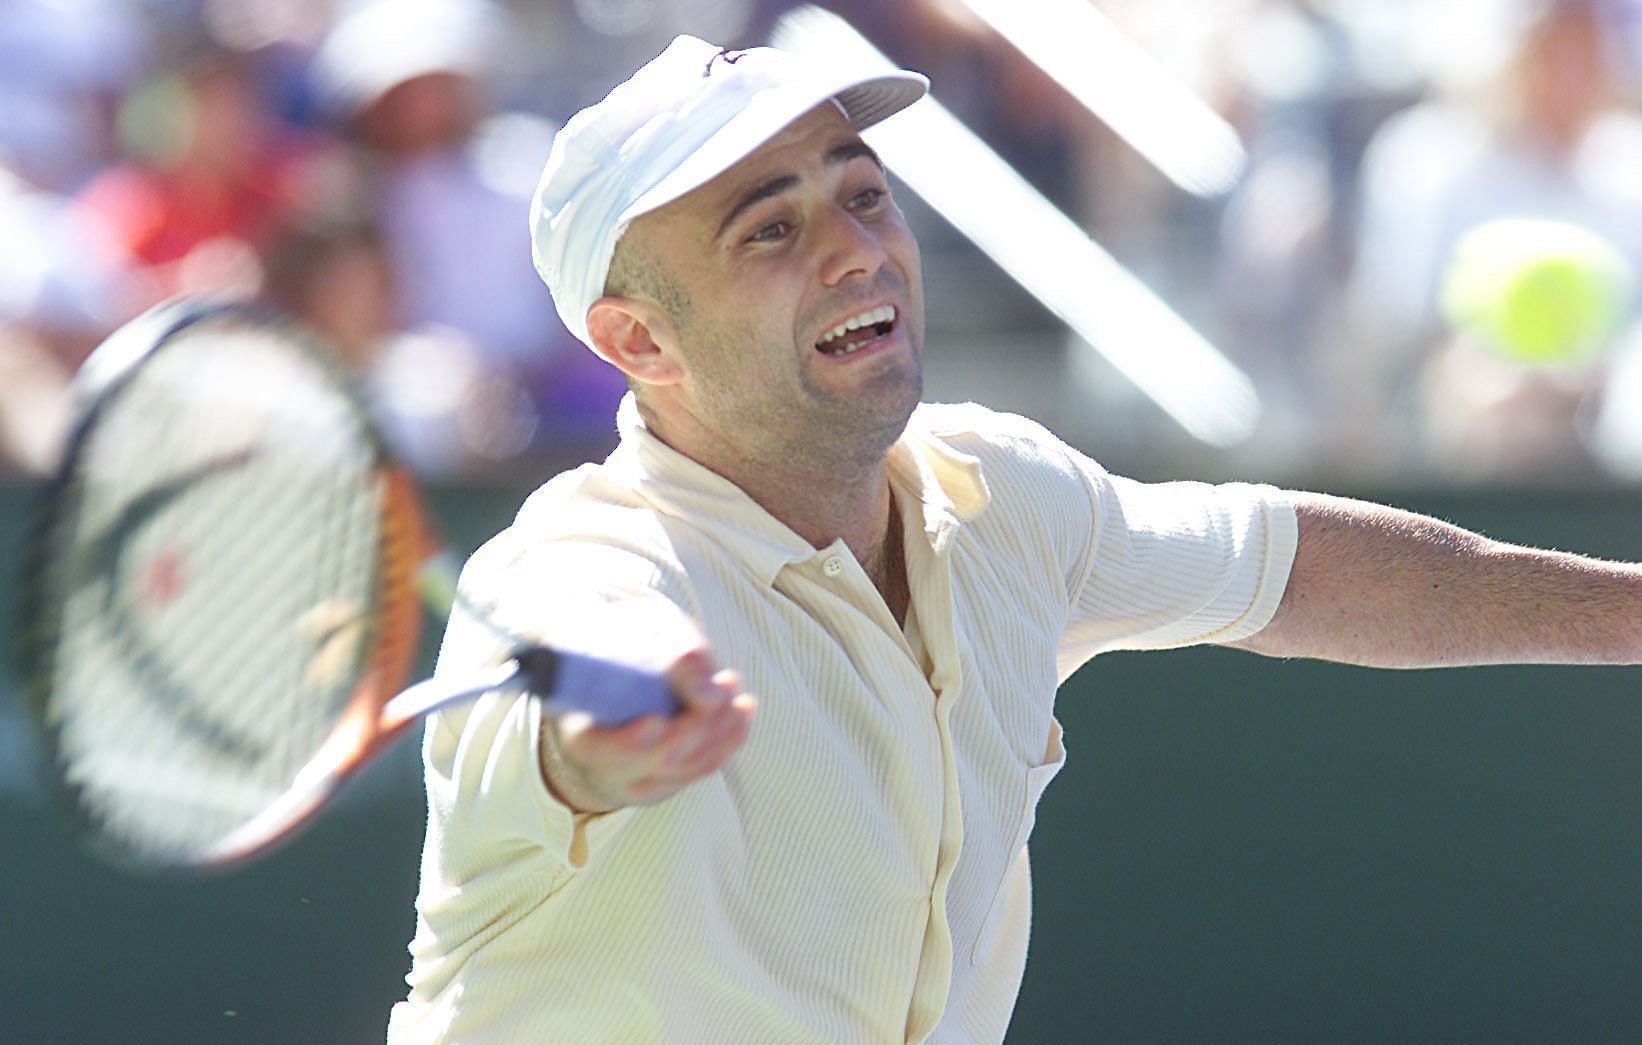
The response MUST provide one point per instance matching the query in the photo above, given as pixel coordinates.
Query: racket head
(218, 590)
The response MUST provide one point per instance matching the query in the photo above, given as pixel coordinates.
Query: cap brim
(866, 100)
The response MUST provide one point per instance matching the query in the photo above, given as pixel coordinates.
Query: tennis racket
(221, 594)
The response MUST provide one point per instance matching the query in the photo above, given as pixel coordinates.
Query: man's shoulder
(587, 491)
(961, 418)
(1036, 486)
(582, 512)
(991, 436)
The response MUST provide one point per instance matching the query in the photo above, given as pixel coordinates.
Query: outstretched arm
(1382, 587)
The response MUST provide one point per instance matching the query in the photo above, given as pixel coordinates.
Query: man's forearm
(1378, 586)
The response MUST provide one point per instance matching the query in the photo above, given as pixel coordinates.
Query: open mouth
(850, 335)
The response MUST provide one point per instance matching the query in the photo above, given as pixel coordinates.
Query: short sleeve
(1177, 564)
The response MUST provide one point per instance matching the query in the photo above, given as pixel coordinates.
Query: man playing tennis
(903, 586)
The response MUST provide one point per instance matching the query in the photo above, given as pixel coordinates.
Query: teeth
(881, 314)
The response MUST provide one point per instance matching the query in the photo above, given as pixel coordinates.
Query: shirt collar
(948, 483)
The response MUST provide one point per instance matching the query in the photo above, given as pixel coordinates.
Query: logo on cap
(728, 56)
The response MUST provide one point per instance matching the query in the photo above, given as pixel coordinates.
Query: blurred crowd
(366, 165)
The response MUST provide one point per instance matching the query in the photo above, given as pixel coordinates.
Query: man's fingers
(694, 681)
(728, 682)
(701, 753)
(636, 749)
(719, 738)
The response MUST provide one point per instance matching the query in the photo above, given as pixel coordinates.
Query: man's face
(773, 258)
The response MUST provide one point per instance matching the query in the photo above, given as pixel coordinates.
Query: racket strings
(223, 582)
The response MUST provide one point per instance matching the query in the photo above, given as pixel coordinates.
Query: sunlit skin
(759, 265)
(794, 240)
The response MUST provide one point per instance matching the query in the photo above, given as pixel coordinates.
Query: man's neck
(822, 497)
(823, 509)
(821, 501)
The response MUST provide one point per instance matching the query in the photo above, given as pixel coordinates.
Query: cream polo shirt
(857, 872)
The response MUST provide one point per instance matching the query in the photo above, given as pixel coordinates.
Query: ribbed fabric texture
(857, 872)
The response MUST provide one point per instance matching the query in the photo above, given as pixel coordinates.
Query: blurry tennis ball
(1541, 293)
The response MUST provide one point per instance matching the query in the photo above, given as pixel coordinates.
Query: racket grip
(610, 692)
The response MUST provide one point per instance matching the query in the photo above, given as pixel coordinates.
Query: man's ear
(635, 337)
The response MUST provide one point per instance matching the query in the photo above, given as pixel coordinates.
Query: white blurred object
(55, 269)
(62, 63)
(508, 151)
(249, 25)
(441, 406)
(379, 44)
(1615, 431)
(616, 17)
(1122, 84)
(1046, 252)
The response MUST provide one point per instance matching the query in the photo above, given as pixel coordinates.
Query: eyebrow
(838, 154)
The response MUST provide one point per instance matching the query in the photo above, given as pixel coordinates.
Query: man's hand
(596, 769)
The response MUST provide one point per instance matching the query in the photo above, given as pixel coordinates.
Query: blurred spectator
(332, 273)
(61, 289)
(1548, 136)
(425, 388)
(449, 179)
(211, 178)
(63, 67)
(1298, 80)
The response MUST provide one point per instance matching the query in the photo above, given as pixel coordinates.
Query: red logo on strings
(162, 579)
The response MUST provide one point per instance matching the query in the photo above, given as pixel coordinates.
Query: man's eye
(867, 199)
(770, 233)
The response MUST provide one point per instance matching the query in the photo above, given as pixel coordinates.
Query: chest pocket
(1037, 778)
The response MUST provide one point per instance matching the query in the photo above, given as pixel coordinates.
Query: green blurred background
(1239, 850)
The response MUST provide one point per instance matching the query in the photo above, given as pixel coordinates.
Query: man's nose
(851, 248)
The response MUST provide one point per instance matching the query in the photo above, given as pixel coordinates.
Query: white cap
(680, 121)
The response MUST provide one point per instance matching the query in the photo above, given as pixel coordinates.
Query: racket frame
(359, 732)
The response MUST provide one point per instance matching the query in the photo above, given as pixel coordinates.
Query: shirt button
(833, 566)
